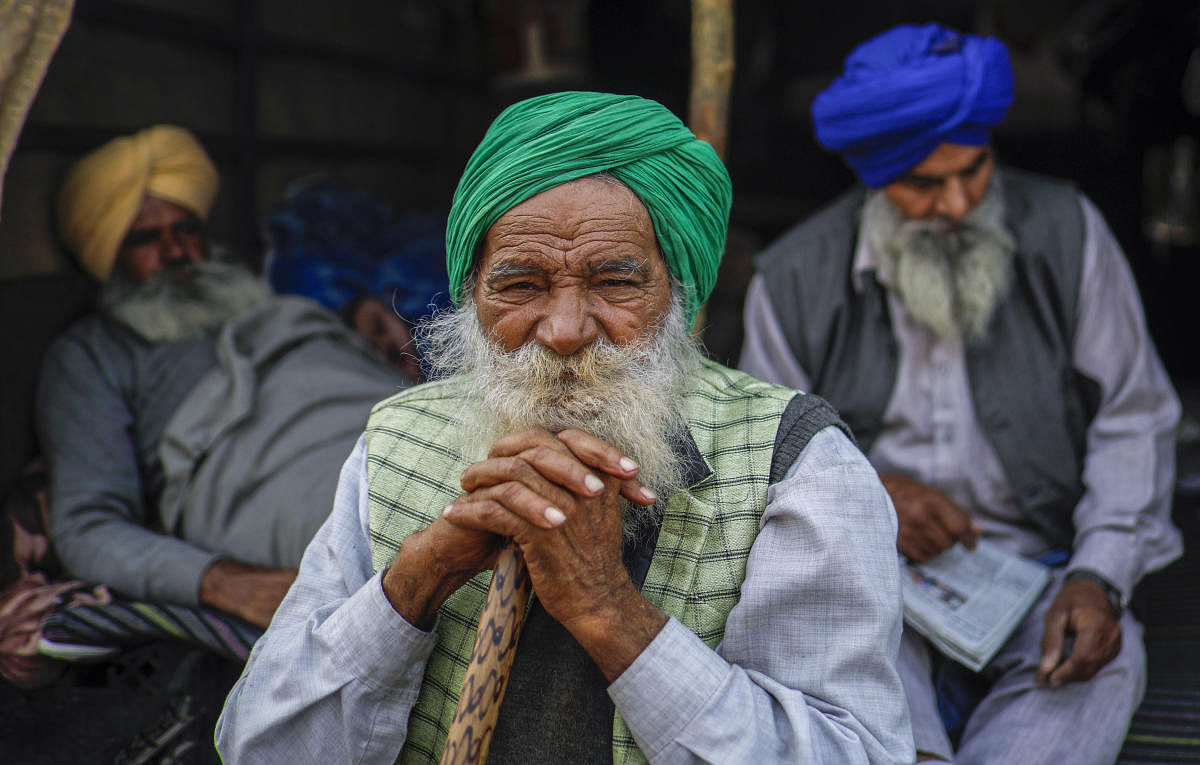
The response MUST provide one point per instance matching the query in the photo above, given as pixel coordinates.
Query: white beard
(626, 395)
(163, 309)
(950, 278)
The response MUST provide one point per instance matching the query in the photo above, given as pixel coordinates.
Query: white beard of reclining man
(949, 275)
(186, 299)
(626, 395)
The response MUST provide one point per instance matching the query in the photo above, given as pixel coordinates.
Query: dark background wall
(393, 94)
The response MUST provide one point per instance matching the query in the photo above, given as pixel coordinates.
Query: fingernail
(554, 515)
(649, 495)
(448, 509)
(593, 483)
(627, 464)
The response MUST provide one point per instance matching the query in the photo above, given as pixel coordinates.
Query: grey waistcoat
(1032, 403)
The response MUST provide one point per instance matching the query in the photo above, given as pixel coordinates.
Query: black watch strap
(1115, 599)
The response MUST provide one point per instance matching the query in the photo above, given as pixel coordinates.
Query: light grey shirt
(805, 672)
(930, 430)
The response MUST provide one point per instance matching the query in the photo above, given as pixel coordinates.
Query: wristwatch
(1115, 598)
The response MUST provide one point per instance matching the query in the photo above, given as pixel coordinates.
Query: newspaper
(969, 603)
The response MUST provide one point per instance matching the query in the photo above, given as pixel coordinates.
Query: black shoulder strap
(805, 415)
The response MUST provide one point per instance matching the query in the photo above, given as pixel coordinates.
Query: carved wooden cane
(487, 674)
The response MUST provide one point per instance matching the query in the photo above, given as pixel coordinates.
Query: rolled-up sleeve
(335, 676)
(806, 670)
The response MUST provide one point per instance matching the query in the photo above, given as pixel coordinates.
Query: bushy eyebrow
(622, 266)
(510, 268)
(969, 170)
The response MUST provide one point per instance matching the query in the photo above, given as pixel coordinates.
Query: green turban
(542, 142)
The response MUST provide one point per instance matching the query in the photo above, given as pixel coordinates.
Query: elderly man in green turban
(711, 557)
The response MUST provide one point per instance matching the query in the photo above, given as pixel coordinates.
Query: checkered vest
(695, 575)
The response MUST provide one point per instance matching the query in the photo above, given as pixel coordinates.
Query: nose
(170, 248)
(952, 201)
(568, 324)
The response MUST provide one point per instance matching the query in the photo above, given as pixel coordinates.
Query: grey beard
(163, 309)
(950, 278)
(626, 395)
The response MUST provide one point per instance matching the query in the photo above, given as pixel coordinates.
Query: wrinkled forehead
(576, 226)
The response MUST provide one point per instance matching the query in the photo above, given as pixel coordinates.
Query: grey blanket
(251, 458)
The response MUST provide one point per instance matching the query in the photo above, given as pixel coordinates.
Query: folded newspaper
(968, 603)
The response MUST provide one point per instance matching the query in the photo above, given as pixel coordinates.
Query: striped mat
(83, 632)
(1166, 728)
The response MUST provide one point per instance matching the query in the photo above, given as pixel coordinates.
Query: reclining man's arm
(100, 522)
(805, 672)
(92, 421)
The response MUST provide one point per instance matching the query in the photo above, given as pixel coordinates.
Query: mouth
(182, 277)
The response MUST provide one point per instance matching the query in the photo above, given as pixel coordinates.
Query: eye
(518, 287)
(922, 184)
(189, 227)
(976, 166)
(617, 283)
(140, 237)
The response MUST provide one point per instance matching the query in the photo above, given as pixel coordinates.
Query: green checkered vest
(695, 575)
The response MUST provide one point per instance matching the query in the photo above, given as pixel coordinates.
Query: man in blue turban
(711, 558)
(979, 330)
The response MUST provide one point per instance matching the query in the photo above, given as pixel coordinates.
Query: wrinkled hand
(511, 491)
(540, 489)
(249, 592)
(1081, 609)
(929, 521)
(557, 497)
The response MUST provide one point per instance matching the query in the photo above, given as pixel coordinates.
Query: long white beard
(183, 301)
(949, 277)
(626, 395)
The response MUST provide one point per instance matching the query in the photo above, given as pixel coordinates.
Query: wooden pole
(712, 71)
(491, 660)
(712, 80)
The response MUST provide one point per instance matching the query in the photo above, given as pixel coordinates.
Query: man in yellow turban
(107, 193)
(194, 424)
(712, 559)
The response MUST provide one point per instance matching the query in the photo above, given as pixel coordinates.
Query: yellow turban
(103, 192)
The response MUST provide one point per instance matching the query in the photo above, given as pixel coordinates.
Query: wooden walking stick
(487, 674)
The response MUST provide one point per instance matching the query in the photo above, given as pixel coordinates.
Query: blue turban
(908, 90)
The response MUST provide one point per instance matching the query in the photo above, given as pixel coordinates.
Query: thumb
(1052, 643)
(971, 535)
